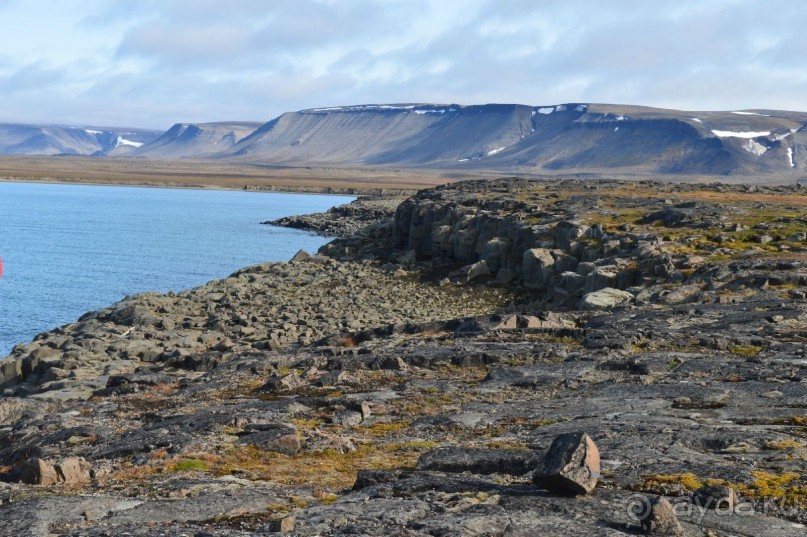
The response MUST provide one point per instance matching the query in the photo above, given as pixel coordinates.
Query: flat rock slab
(478, 461)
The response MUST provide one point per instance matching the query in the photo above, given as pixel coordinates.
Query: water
(69, 249)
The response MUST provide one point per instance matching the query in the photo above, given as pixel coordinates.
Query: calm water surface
(68, 249)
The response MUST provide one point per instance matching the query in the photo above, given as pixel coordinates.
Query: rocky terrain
(433, 374)
(344, 220)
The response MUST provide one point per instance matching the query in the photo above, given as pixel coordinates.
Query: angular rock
(474, 271)
(717, 497)
(281, 525)
(660, 520)
(74, 470)
(347, 417)
(571, 466)
(301, 255)
(508, 322)
(537, 268)
(272, 437)
(600, 278)
(38, 472)
(284, 383)
(321, 441)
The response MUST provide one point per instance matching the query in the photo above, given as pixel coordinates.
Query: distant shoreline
(265, 189)
(217, 176)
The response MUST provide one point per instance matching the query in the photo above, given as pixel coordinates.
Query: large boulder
(571, 466)
(495, 252)
(72, 470)
(600, 278)
(537, 268)
(661, 520)
(474, 271)
(605, 299)
(567, 232)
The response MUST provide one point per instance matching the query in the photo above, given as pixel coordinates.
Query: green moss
(745, 350)
(191, 465)
(783, 445)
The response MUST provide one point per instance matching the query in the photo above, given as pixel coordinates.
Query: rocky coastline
(347, 219)
(492, 358)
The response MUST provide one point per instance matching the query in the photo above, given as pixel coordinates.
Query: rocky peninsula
(492, 358)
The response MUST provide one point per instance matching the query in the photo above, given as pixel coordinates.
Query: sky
(153, 63)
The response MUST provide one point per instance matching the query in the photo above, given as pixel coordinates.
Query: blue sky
(152, 63)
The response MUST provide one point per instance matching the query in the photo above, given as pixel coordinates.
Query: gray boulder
(571, 466)
(537, 268)
(605, 299)
(661, 520)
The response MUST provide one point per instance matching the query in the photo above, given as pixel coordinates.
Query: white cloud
(155, 62)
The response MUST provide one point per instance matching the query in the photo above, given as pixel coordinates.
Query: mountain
(21, 139)
(387, 134)
(570, 137)
(197, 140)
(567, 138)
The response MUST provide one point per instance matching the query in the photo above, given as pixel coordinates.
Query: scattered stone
(703, 375)
(39, 472)
(322, 441)
(281, 525)
(605, 299)
(71, 470)
(661, 519)
(301, 255)
(571, 466)
(272, 437)
(284, 383)
(717, 497)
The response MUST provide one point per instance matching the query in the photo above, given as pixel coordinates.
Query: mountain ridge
(53, 140)
(571, 137)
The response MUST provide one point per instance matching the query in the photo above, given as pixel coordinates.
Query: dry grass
(207, 174)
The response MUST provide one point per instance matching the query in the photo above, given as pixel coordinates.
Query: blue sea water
(69, 249)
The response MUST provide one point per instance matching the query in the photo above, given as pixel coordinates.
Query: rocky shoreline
(347, 219)
(433, 374)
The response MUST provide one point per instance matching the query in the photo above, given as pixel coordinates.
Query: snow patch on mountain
(732, 134)
(124, 141)
(755, 147)
(751, 114)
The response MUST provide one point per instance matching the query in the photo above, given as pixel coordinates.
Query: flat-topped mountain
(574, 137)
(197, 140)
(506, 138)
(20, 139)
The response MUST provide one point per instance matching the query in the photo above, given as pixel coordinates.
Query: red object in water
(1, 268)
